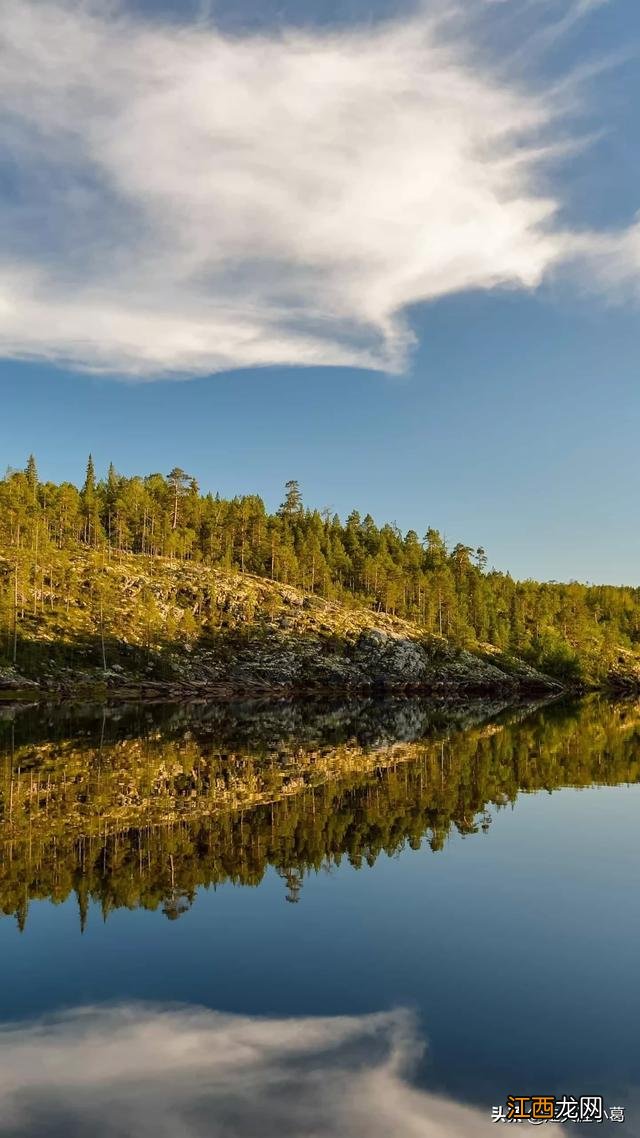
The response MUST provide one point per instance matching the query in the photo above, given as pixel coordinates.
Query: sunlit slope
(148, 623)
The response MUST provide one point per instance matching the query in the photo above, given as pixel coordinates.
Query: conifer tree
(89, 487)
(178, 481)
(292, 505)
(90, 506)
(32, 475)
(445, 591)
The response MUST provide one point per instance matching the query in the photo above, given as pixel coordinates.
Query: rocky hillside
(135, 625)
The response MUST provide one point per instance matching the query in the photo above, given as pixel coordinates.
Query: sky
(389, 250)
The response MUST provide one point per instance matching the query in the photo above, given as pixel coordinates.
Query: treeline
(564, 629)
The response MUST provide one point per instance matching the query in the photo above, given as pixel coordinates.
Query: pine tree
(90, 505)
(178, 481)
(446, 592)
(31, 472)
(292, 505)
(89, 488)
(112, 483)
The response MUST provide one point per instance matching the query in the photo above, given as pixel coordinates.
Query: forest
(566, 630)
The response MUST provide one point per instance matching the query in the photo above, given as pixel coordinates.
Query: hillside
(146, 580)
(147, 625)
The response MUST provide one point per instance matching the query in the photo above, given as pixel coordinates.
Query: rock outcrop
(184, 629)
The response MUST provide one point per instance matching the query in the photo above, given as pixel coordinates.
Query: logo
(538, 1109)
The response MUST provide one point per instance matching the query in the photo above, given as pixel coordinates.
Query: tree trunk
(15, 615)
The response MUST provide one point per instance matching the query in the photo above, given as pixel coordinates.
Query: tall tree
(90, 504)
(31, 472)
(179, 481)
(89, 487)
(292, 504)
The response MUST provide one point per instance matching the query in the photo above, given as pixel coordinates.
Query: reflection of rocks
(141, 806)
(374, 720)
(158, 1072)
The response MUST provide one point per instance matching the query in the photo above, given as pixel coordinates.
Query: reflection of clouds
(190, 1073)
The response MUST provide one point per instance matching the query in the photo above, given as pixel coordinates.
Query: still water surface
(365, 919)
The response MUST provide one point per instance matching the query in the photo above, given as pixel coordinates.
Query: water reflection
(143, 1070)
(139, 807)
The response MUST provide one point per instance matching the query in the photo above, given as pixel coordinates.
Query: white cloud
(182, 202)
(613, 261)
(194, 1073)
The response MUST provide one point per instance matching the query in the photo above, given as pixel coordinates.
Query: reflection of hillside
(246, 725)
(142, 810)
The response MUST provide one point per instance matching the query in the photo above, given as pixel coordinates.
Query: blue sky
(501, 404)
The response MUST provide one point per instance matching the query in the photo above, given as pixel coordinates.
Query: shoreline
(147, 691)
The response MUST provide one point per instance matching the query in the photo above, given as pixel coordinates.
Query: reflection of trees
(293, 878)
(177, 902)
(144, 819)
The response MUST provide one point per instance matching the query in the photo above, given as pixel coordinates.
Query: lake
(372, 918)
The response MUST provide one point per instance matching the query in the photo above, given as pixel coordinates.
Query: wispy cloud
(180, 201)
(613, 261)
(191, 1073)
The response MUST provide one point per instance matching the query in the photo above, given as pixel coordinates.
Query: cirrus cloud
(179, 201)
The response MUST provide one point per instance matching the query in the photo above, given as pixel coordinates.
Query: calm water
(357, 920)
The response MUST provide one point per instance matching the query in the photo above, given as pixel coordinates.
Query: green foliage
(571, 630)
(557, 658)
